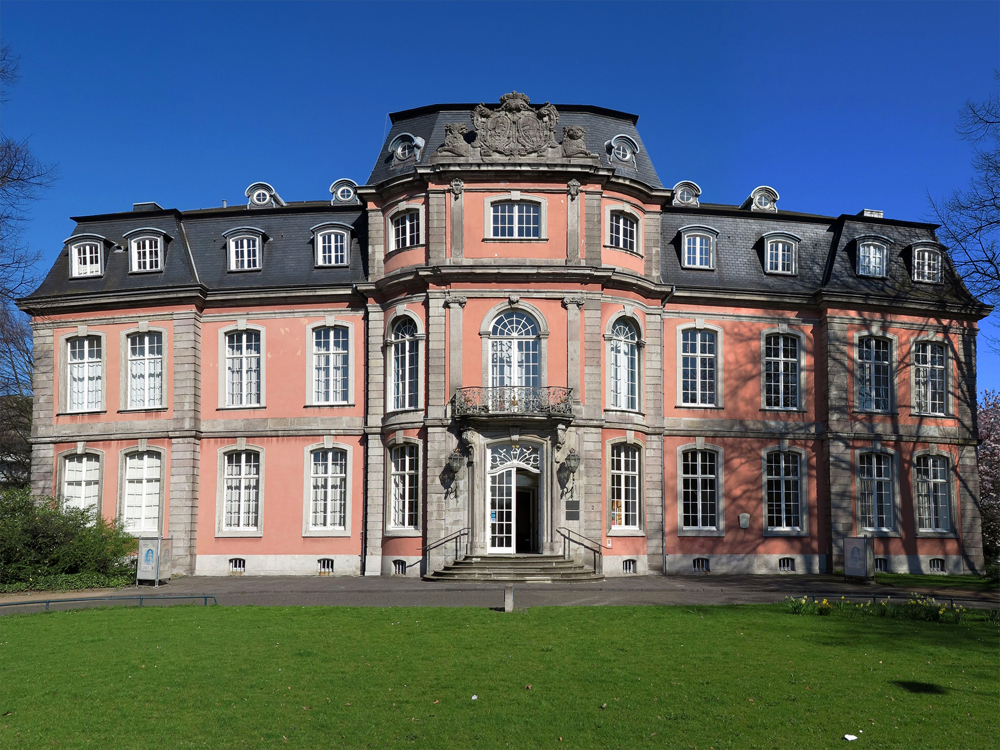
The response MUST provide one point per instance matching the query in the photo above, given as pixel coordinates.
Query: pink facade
(536, 352)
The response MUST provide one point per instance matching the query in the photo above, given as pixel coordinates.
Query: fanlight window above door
(508, 454)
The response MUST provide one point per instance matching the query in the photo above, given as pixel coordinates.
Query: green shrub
(798, 606)
(40, 539)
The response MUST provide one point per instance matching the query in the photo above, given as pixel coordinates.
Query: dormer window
(698, 247)
(781, 253)
(87, 259)
(146, 250)
(245, 248)
(406, 147)
(927, 265)
(872, 257)
(622, 148)
(262, 195)
(332, 244)
(686, 194)
(344, 191)
(762, 198)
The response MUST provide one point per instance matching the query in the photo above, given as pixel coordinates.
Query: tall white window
(517, 220)
(146, 254)
(929, 377)
(780, 256)
(142, 492)
(81, 481)
(242, 490)
(872, 259)
(874, 375)
(331, 365)
(406, 230)
(932, 493)
(699, 477)
(875, 491)
(624, 509)
(624, 366)
(781, 371)
(698, 251)
(927, 265)
(405, 365)
(86, 259)
(622, 232)
(329, 489)
(244, 254)
(783, 491)
(243, 368)
(514, 351)
(145, 370)
(332, 249)
(405, 487)
(698, 367)
(86, 371)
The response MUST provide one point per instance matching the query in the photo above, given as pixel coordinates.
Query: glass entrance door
(501, 521)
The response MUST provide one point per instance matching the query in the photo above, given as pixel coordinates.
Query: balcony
(514, 400)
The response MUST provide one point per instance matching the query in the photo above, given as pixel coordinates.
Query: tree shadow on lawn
(927, 688)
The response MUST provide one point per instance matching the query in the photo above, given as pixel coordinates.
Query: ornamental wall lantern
(455, 461)
(572, 461)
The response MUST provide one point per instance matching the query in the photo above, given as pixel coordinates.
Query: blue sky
(839, 106)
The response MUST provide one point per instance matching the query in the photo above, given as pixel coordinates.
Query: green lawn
(704, 677)
(907, 582)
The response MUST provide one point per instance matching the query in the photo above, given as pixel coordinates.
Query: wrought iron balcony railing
(514, 399)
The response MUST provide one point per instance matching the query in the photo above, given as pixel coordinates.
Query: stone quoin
(512, 343)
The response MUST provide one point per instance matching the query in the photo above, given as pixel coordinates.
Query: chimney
(871, 213)
(224, 204)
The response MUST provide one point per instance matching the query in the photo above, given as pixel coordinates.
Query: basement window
(237, 566)
(628, 567)
(786, 565)
(701, 565)
(325, 566)
(399, 567)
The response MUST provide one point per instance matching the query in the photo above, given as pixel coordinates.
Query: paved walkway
(413, 592)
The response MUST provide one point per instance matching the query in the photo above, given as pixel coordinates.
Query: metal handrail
(142, 598)
(594, 546)
(454, 536)
(514, 399)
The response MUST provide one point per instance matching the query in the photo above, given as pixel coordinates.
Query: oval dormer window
(261, 197)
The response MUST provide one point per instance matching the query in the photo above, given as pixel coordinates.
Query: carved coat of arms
(516, 128)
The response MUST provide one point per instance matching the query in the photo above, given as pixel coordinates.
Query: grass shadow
(927, 688)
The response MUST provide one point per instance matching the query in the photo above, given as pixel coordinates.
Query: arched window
(405, 364)
(624, 366)
(142, 492)
(872, 258)
(927, 265)
(514, 351)
(698, 251)
(624, 510)
(331, 248)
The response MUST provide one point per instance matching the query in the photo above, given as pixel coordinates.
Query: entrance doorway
(513, 523)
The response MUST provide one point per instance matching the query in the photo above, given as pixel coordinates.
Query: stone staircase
(515, 569)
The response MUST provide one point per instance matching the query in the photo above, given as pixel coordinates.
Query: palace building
(512, 352)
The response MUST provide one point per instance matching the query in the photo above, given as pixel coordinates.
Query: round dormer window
(685, 195)
(763, 200)
(404, 150)
(622, 152)
(345, 193)
(261, 197)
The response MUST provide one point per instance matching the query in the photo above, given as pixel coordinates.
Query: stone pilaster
(573, 223)
(573, 306)
(375, 453)
(456, 306)
(457, 220)
(968, 468)
(651, 245)
(437, 395)
(376, 244)
(185, 465)
(437, 206)
(592, 355)
(592, 229)
(43, 408)
(653, 407)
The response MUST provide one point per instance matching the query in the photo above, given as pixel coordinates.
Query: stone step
(515, 569)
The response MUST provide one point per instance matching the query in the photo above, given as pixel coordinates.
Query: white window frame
(618, 472)
(865, 263)
(147, 234)
(711, 236)
(331, 230)
(803, 481)
(392, 344)
(859, 379)
(800, 380)
(331, 321)
(241, 327)
(915, 378)
(720, 506)
(776, 240)
(127, 361)
(67, 371)
(516, 196)
(391, 528)
(125, 483)
(390, 217)
(922, 266)
(338, 361)
(700, 327)
(892, 461)
(244, 233)
(221, 528)
(617, 366)
(308, 529)
(61, 463)
(951, 487)
(520, 217)
(631, 212)
(487, 337)
(88, 270)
